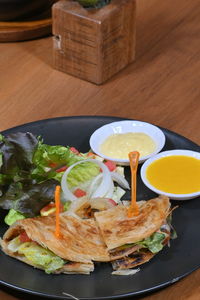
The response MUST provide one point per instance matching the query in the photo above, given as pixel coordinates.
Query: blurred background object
(13, 10)
(93, 44)
(25, 19)
(93, 3)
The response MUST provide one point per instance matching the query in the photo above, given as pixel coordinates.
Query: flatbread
(76, 268)
(101, 239)
(118, 253)
(86, 207)
(133, 260)
(80, 239)
(117, 229)
(68, 268)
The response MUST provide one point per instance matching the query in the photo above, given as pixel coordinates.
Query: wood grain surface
(162, 87)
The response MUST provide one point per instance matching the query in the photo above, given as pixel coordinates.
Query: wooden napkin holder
(93, 44)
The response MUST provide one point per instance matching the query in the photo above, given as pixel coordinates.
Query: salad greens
(30, 170)
(28, 199)
(13, 216)
(38, 255)
(154, 243)
(82, 173)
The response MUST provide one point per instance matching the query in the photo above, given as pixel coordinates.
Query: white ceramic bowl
(99, 136)
(164, 154)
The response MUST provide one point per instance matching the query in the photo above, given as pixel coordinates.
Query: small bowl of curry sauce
(174, 173)
(115, 140)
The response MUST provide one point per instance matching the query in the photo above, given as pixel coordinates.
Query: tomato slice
(111, 165)
(47, 207)
(74, 150)
(52, 165)
(90, 154)
(79, 193)
(62, 169)
(24, 237)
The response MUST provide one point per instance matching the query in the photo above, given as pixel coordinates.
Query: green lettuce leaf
(17, 151)
(13, 216)
(61, 156)
(28, 199)
(41, 257)
(20, 189)
(154, 243)
(14, 244)
(29, 172)
(82, 173)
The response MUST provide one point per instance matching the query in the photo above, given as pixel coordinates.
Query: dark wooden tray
(26, 29)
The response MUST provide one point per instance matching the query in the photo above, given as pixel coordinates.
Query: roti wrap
(80, 243)
(118, 229)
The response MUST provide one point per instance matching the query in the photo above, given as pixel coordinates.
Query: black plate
(167, 267)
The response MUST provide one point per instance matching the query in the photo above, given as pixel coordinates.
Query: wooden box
(93, 44)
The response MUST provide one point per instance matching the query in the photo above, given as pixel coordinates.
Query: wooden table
(161, 87)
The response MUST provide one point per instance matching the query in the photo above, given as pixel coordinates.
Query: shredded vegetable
(100, 186)
(103, 188)
(126, 272)
(120, 180)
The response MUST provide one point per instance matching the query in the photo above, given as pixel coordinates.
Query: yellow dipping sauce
(119, 145)
(177, 174)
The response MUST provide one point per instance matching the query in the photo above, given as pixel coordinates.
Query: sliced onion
(95, 181)
(110, 191)
(92, 193)
(120, 180)
(106, 182)
(126, 272)
(101, 191)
